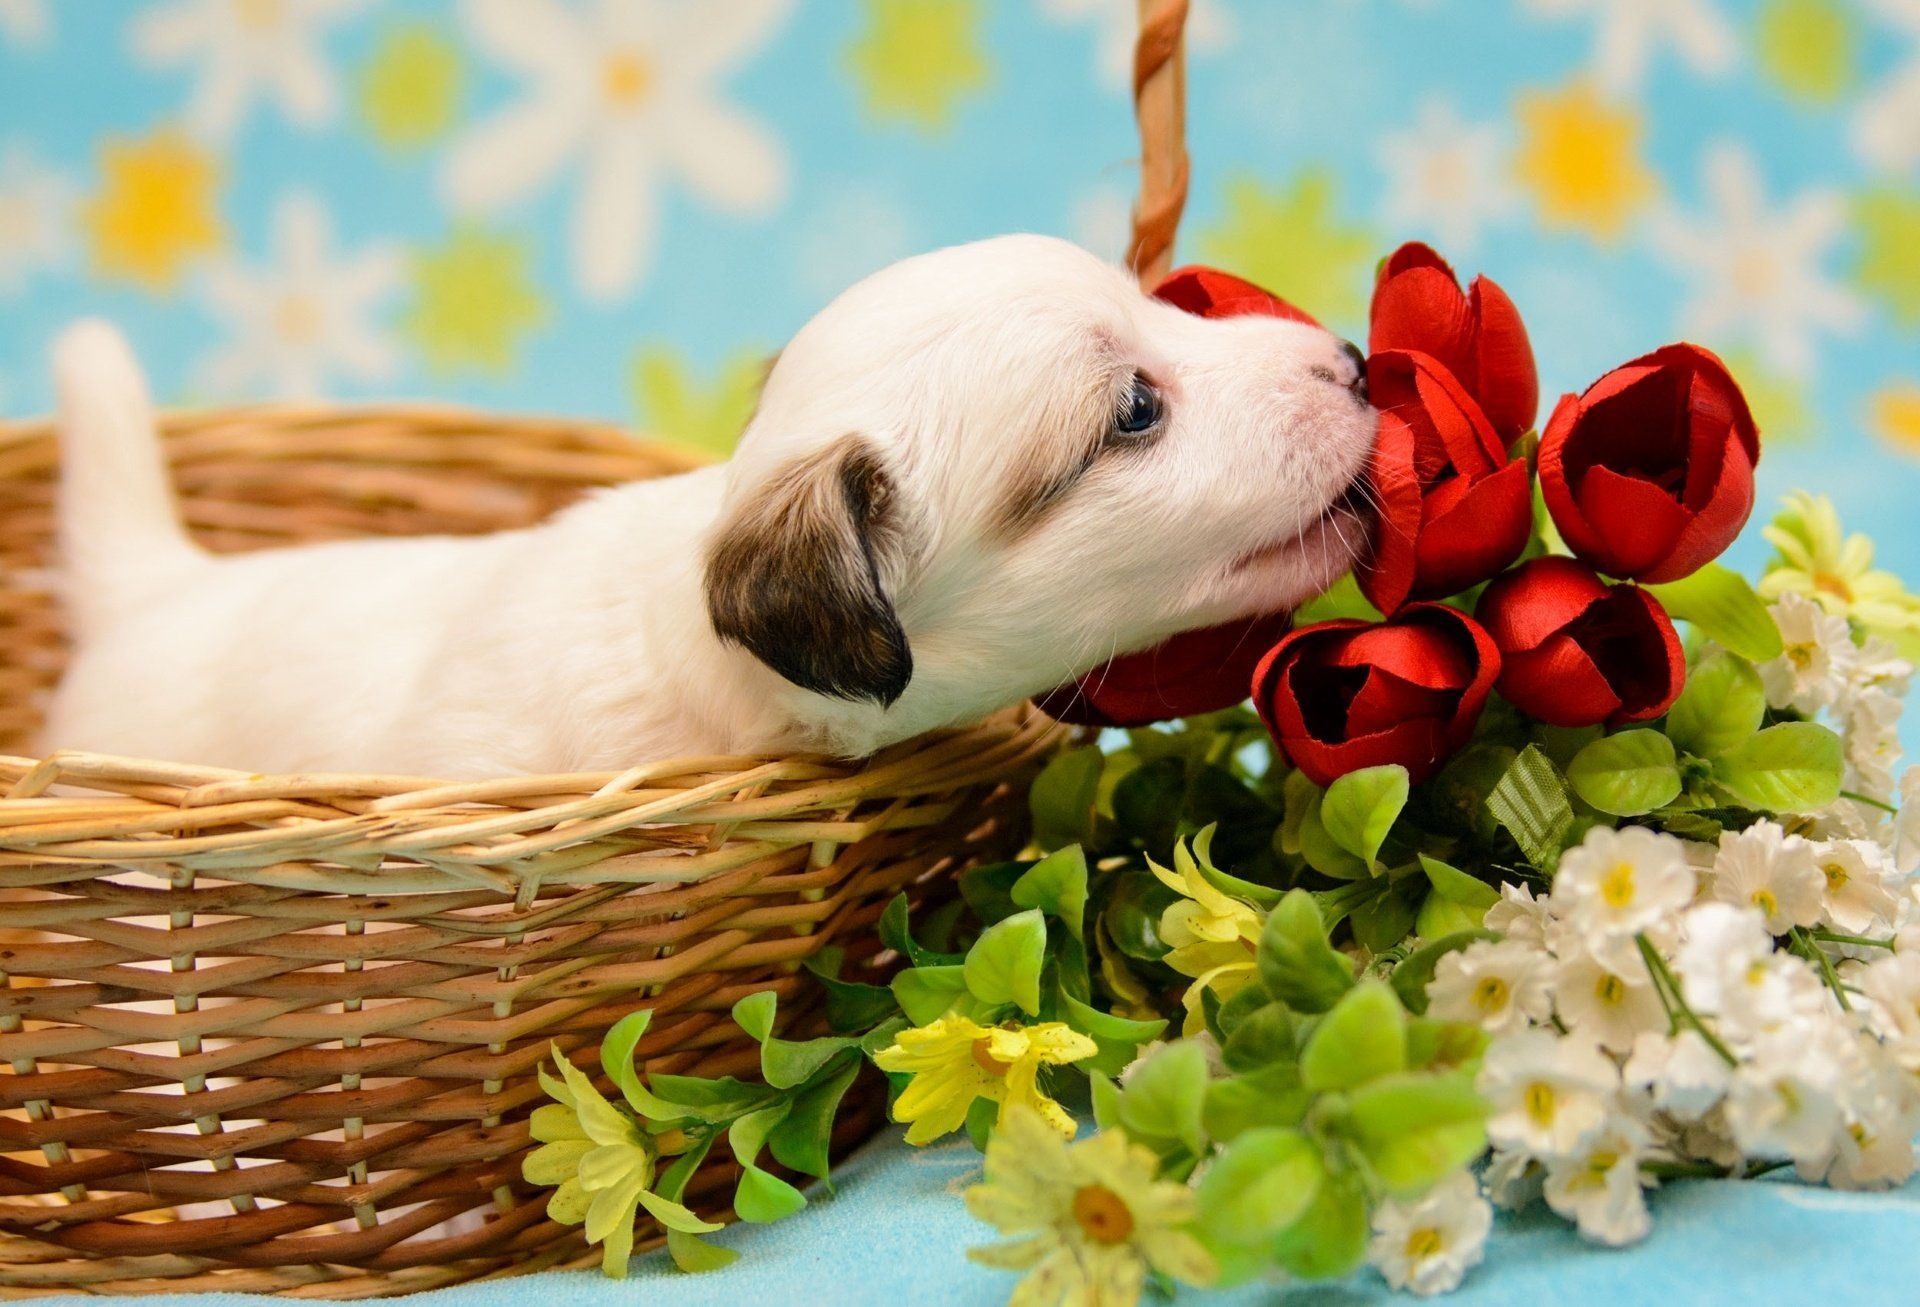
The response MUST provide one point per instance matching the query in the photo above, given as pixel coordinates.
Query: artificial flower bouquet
(1500, 892)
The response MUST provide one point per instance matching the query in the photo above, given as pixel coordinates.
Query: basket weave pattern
(272, 1032)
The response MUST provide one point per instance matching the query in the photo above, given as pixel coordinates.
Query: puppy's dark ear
(793, 576)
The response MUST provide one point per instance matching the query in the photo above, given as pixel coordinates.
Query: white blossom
(1860, 885)
(1784, 1101)
(1906, 825)
(1549, 1095)
(1728, 970)
(1818, 657)
(1513, 1178)
(1764, 867)
(1519, 916)
(1886, 121)
(1891, 988)
(1499, 987)
(1599, 1189)
(1680, 1074)
(1870, 732)
(1425, 1246)
(1609, 1003)
(1618, 883)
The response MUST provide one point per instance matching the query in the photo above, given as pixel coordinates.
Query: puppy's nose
(1359, 383)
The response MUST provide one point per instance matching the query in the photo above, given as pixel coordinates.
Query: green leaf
(1297, 964)
(988, 889)
(1261, 1038)
(852, 1005)
(1458, 795)
(1258, 1185)
(763, 1197)
(617, 1060)
(1133, 913)
(1322, 852)
(1057, 885)
(1104, 1095)
(1270, 1096)
(927, 993)
(1792, 767)
(1330, 1237)
(1342, 599)
(897, 934)
(694, 1255)
(1415, 972)
(754, 1014)
(748, 1134)
(1360, 807)
(708, 1100)
(1415, 1129)
(1384, 920)
(786, 1063)
(1721, 606)
(1149, 800)
(1362, 1039)
(801, 1142)
(1531, 803)
(1062, 797)
(1457, 886)
(1004, 964)
(1440, 915)
(1720, 707)
(1627, 774)
(1163, 1097)
(1119, 1038)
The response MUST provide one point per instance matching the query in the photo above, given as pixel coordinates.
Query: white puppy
(973, 476)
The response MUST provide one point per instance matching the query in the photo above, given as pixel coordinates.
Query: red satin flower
(1454, 508)
(1649, 474)
(1196, 671)
(1338, 696)
(1575, 651)
(1477, 334)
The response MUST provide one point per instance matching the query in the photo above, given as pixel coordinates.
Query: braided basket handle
(1160, 106)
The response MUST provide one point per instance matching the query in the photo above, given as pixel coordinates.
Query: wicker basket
(273, 1033)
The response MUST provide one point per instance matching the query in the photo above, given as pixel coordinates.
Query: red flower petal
(1522, 608)
(1211, 293)
(1633, 642)
(1193, 672)
(1505, 380)
(1474, 532)
(1637, 522)
(1559, 684)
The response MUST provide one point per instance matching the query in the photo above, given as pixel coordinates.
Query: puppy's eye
(1140, 408)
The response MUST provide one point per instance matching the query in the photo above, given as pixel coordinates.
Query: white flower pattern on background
(628, 90)
(1207, 31)
(1446, 178)
(1757, 267)
(306, 314)
(25, 23)
(1886, 124)
(243, 50)
(36, 218)
(1627, 34)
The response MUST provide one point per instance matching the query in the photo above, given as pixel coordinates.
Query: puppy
(975, 475)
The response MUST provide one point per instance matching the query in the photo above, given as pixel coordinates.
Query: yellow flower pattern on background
(1290, 240)
(474, 299)
(1807, 48)
(1581, 158)
(410, 88)
(1888, 265)
(916, 60)
(1894, 415)
(673, 404)
(154, 213)
(1779, 401)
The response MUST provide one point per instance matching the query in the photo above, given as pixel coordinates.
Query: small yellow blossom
(1292, 240)
(1580, 156)
(954, 1061)
(155, 210)
(474, 297)
(410, 88)
(1211, 936)
(916, 60)
(1090, 1219)
(1887, 264)
(601, 1163)
(1895, 415)
(1833, 569)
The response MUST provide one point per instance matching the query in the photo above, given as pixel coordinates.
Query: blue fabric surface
(896, 1232)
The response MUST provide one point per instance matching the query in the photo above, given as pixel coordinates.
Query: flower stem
(1667, 986)
(1805, 946)
(1857, 797)
(1857, 941)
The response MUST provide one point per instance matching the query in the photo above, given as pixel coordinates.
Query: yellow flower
(155, 208)
(954, 1061)
(410, 87)
(601, 1161)
(673, 405)
(1896, 416)
(916, 59)
(1834, 570)
(1292, 241)
(473, 299)
(1092, 1217)
(1581, 157)
(1211, 936)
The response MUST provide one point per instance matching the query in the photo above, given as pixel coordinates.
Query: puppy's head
(986, 470)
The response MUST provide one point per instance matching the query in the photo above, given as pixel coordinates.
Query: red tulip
(1477, 334)
(1196, 671)
(1575, 651)
(1454, 508)
(1211, 293)
(1649, 474)
(1342, 695)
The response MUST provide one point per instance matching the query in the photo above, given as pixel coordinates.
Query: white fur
(584, 643)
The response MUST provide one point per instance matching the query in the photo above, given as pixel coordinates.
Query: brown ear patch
(793, 576)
